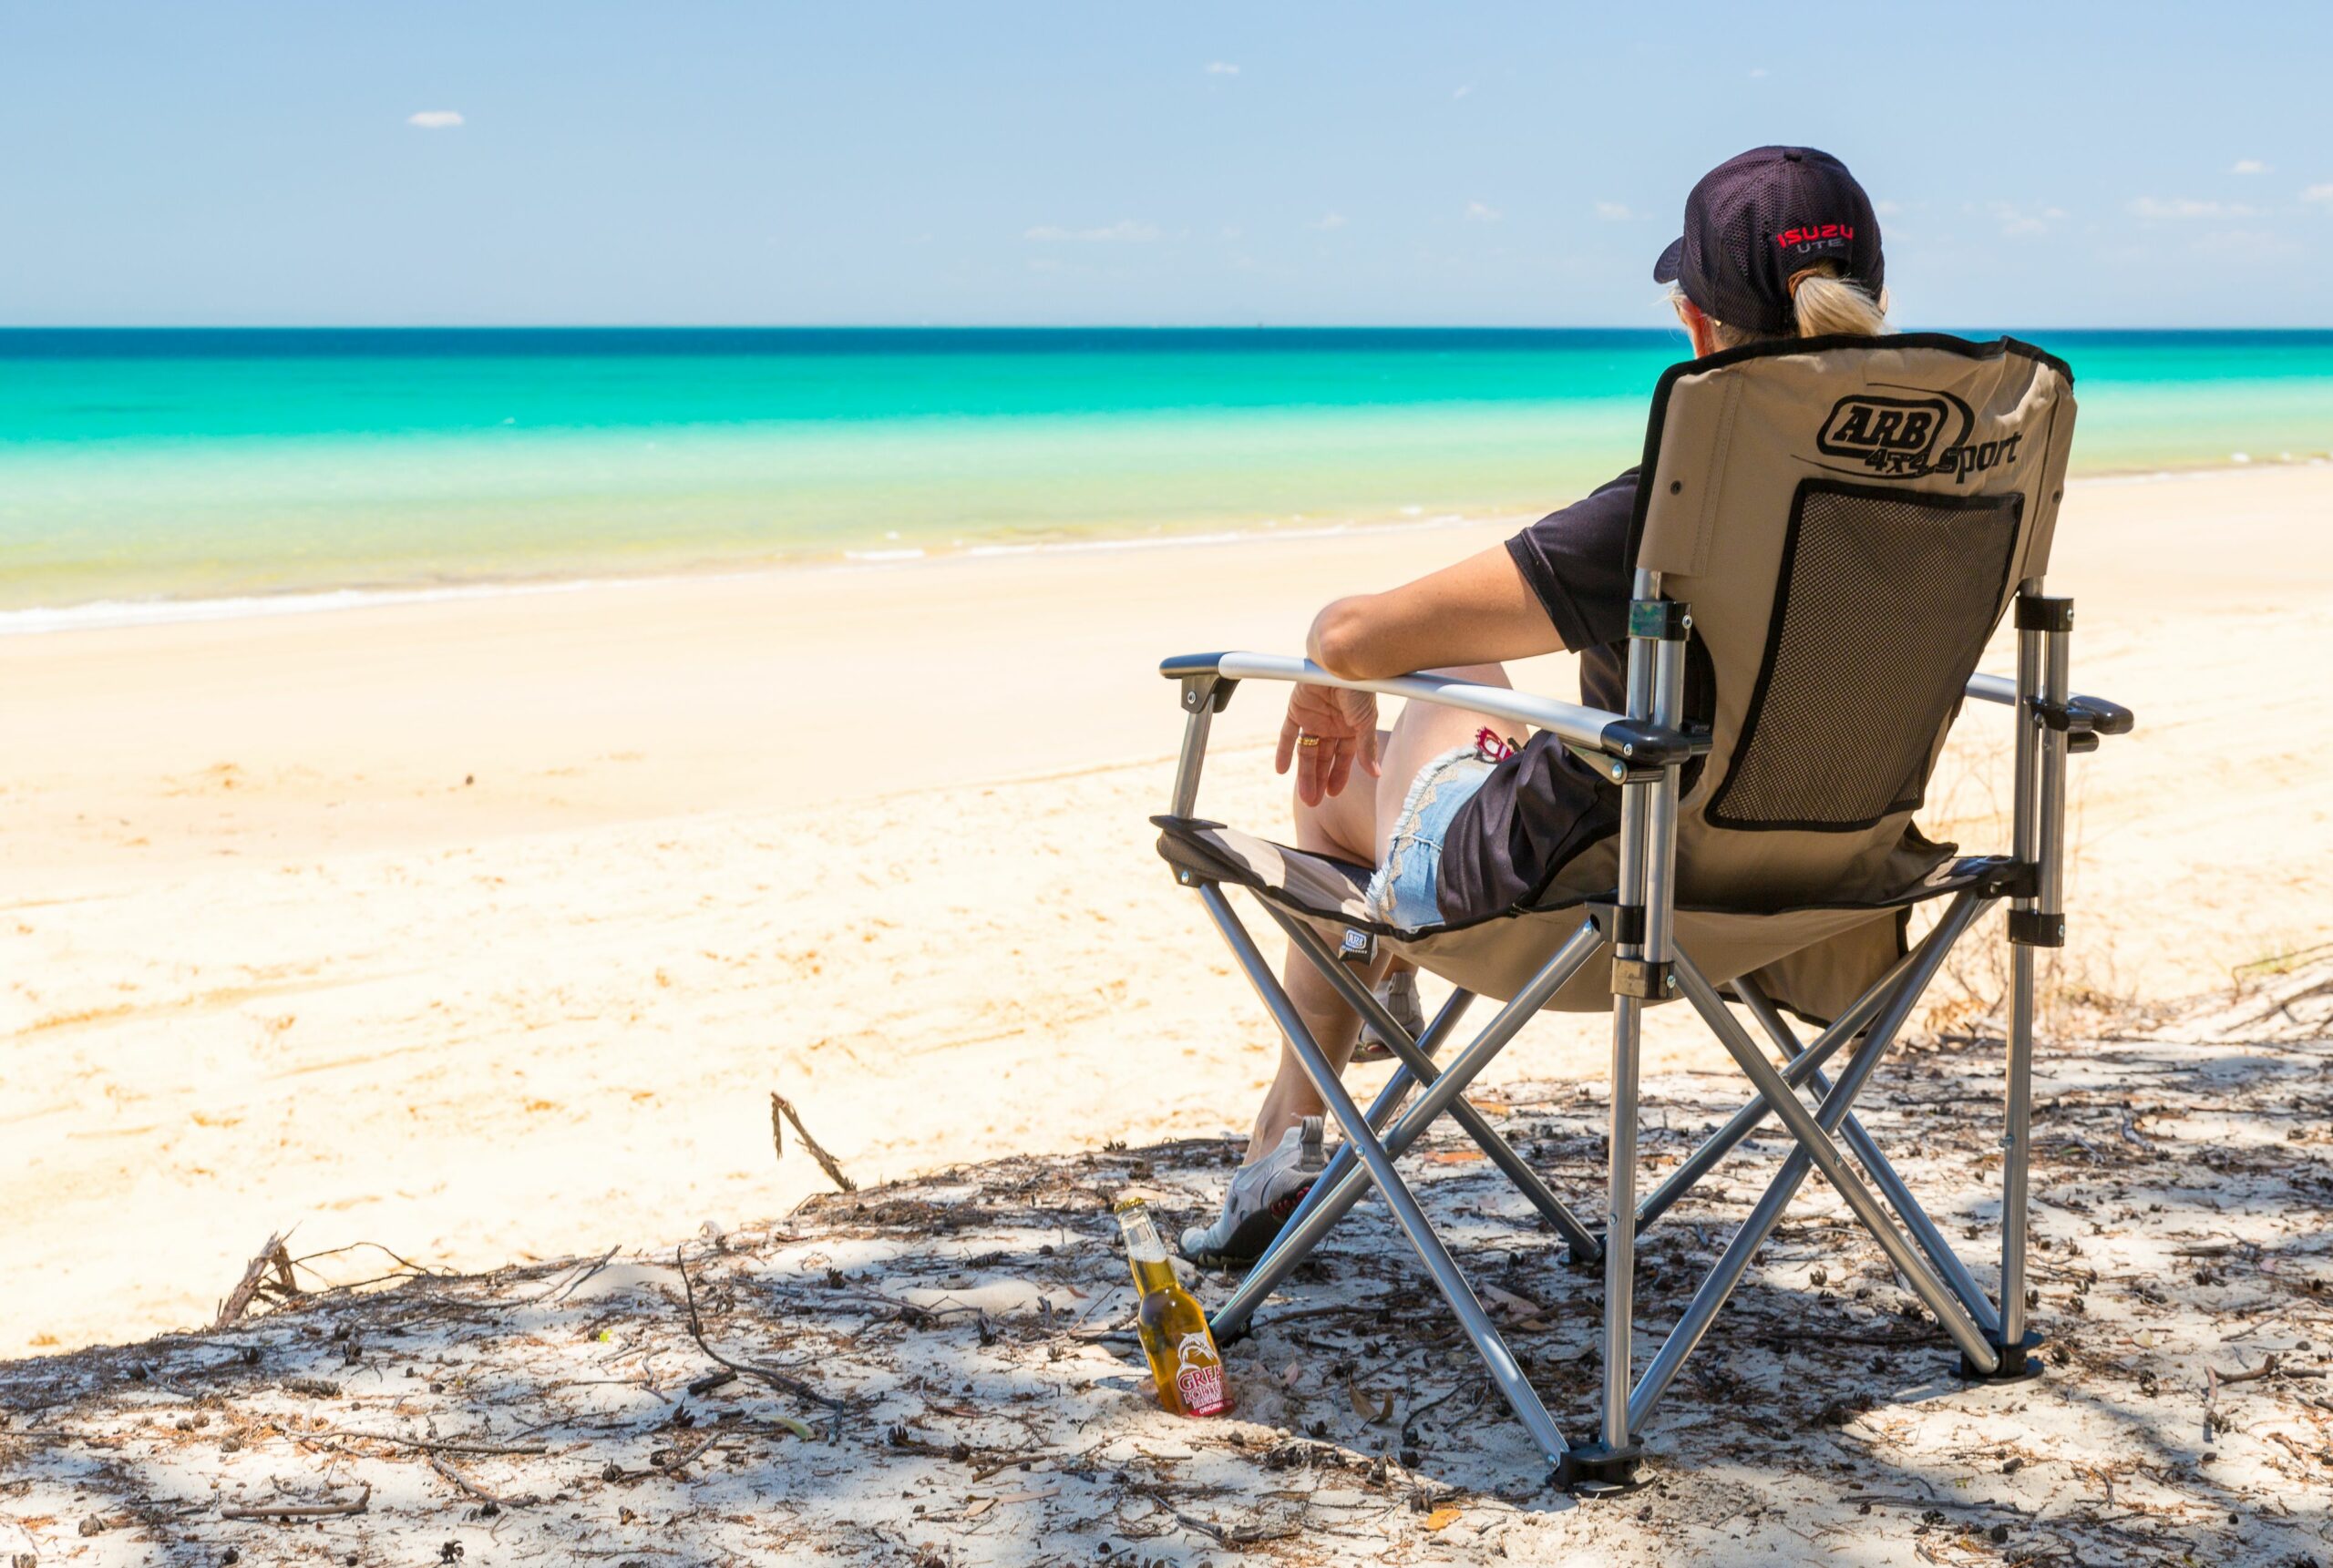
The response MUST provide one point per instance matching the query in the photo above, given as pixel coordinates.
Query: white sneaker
(1400, 995)
(1262, 1196)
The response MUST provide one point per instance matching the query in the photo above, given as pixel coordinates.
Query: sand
(483, 930)
(946, 1377)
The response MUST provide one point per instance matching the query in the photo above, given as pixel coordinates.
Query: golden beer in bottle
(1183, 1357)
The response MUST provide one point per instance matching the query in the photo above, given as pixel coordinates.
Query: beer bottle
(1183, 1357)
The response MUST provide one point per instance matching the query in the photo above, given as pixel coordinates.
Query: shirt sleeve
(1576, 561)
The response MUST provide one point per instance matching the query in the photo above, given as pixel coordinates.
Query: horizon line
(1022, 327)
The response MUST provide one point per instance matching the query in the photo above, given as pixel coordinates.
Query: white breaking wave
(104, 613)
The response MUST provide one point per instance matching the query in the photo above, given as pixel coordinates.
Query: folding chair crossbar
(1744, 1121)
(1816, 1139)
(1391, 1097)
(1381, 1112)
(1333, 1193)
(1882, 1170)
(1718, 1287)
(1501, 1153)
(1378, 1163)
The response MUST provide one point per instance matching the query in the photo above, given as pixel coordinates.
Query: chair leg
(1297, 1237)
(1505, 1371)
(2014, 1343)
(1331, 1200)
(1717, 1289)
(1835, 1170)
(1620, 1239)
(1882, 1171)
(1719, 1144)
(1894, 1005)
(1932, 949)
(2039, 828)
(1582, 1242)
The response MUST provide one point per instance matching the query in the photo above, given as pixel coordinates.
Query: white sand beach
(483, 930)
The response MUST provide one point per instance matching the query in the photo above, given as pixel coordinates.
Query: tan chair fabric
(1738, 445)
(1803, 475)
(1826, 955)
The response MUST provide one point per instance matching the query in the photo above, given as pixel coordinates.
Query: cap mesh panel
(1886, 602)
(1738, 304)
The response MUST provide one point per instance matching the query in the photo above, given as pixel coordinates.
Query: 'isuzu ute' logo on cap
(1810, 238)
(1908, 437)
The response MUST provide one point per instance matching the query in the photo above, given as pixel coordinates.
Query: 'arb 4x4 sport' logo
(1908, 438)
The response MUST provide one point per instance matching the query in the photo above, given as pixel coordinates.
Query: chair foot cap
(1585, 1260)
(1592, 1469)
(2018, 1363)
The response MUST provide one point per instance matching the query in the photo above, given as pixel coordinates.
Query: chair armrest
(2081, 715)
(1639, 743)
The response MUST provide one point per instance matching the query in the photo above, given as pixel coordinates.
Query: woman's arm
(1479, 611)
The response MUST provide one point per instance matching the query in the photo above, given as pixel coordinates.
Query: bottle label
(1201, 1389)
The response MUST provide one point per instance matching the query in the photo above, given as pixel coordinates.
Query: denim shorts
(1405, 894)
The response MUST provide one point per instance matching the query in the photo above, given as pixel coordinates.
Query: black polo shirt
(1542, 806)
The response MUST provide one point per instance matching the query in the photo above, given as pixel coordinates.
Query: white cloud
(1888, 208)
(1614, 212)
(1222, 68)
(1757, 71)
(1483, 212)
(2317, 193)
(1126, 230)
(2018, 219)
(1331, 221)
(1463, 91)
(2249, 166)
(434, 119)
(2188, 206)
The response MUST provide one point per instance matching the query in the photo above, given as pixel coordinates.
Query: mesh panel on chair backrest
(1883, 604)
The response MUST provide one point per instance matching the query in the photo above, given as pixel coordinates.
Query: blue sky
(2036, 165)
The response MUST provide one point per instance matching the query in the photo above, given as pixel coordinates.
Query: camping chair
(1841, 524)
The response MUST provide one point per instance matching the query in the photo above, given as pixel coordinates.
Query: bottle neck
(1143, 1243)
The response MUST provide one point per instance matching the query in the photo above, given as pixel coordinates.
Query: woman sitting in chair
(1460, 822)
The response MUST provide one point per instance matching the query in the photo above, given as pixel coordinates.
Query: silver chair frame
(1644, 751)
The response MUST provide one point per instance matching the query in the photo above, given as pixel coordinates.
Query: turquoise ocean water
(140, 469)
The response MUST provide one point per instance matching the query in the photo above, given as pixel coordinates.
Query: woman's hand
(1328, 730)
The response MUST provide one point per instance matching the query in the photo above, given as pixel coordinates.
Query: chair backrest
(1849, 518)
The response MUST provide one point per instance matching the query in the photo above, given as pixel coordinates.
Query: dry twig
(303, 1509)
(472, 1488)
(784, 1382)
(779, 1105)
(270, 1256)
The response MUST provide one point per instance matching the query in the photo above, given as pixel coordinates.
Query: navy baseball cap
(1755, 220)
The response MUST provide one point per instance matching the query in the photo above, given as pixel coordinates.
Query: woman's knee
(1344, 824)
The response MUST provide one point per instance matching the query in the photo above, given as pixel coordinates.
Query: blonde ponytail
(1823, 303)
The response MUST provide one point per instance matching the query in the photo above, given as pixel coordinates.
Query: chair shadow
(971, 1327)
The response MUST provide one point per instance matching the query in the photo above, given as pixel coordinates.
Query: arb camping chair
(1839, 524)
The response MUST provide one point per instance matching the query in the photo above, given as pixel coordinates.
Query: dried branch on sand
(781, 1107)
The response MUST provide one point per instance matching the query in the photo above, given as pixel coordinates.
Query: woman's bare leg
(1356, 825)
